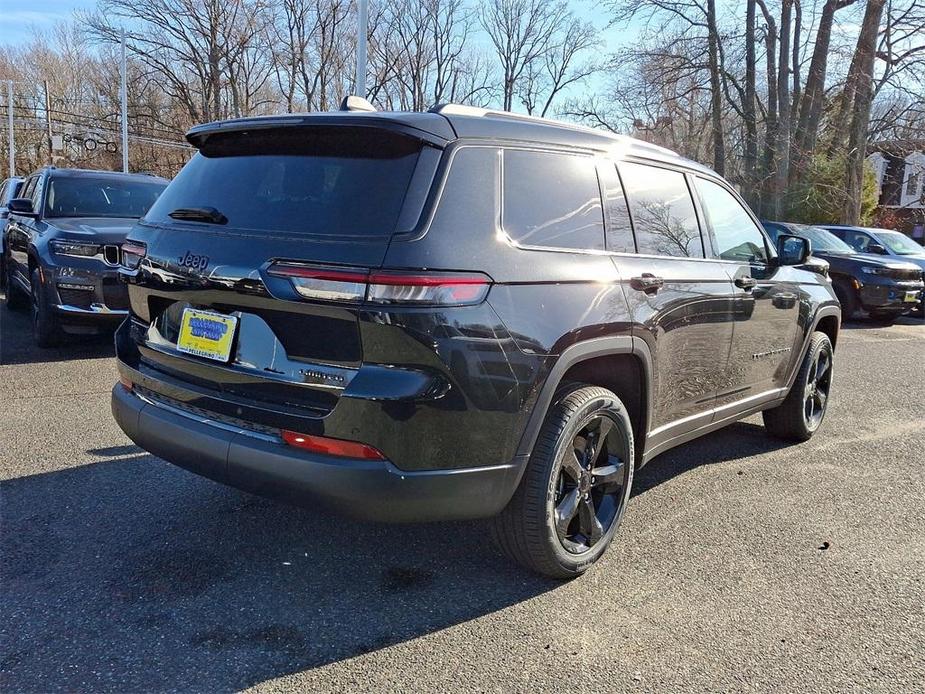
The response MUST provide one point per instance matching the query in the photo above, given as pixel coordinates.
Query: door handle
(647, 282)
(746, 283)
(785, 300)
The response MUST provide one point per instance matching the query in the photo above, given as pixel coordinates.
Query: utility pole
(123, 94)
(51, 151)
(362, 22)
(9, 122)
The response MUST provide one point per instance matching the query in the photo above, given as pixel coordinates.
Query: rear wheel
(800, 415)
(574, 491)
(45, 327)
(847, 299)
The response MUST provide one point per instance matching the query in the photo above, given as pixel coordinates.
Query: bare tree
(862, 91)
(522, 33)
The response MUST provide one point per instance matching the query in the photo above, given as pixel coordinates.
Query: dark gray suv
(63, 248)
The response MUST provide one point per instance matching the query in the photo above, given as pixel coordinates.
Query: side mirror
(22, 206)
(792, 250)
(876, 248)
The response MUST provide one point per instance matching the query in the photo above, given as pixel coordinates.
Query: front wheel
(847, 298)
(45, 327)
(574, 491)
(800, 415)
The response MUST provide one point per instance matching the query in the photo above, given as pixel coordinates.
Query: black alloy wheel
(816, 392)
(799, 416)
(574, 491)
(589, 489)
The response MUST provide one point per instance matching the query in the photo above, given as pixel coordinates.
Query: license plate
(206, 334)
(911, 297)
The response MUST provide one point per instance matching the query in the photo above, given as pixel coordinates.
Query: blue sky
(20, 15)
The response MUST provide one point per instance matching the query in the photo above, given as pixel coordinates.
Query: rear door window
(552, 200)
(619, 232)
(664, 216)
(326, 181)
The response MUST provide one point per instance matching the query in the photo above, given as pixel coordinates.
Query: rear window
(552, 200)
(335, 181)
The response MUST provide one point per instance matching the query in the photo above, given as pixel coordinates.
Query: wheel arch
(622, 364)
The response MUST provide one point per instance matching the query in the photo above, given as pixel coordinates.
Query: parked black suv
(885, 287)
(63, 244)
(458, 314)
(9, 189)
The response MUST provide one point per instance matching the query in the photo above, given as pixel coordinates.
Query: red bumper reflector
(126, 382)
(328, 446)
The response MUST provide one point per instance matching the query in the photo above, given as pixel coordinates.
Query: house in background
(899, 166)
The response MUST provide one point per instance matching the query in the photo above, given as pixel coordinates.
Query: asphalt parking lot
(743, 564)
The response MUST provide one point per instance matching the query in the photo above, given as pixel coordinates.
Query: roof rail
(463, 110)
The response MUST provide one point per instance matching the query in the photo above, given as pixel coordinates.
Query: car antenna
(352, 102)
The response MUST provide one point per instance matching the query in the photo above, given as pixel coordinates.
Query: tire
(559, 482)
(46, 330)
(802, 412)
(14, 298)
(847, 299)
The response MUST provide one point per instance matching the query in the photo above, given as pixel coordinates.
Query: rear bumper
(263, 464)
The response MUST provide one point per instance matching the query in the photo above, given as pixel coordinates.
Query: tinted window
(737, 236)
(86, 196)
(36, 193)
(29, 188)
(663, 211)
(552, 200)
(858, 240)
(338, 181)
(619, 232)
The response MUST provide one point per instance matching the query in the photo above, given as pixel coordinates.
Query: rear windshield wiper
(199, 214)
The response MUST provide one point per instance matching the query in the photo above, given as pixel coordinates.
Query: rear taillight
(385, 286)
(132, 253)
(329, 446)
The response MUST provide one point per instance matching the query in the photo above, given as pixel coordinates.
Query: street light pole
(123, 95)
(362, 25)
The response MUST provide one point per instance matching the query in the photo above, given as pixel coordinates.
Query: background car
(9, 189)
(883, 286)
(883, 242)
(63, 247)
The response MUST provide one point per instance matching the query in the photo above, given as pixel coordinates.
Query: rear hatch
(326, 196)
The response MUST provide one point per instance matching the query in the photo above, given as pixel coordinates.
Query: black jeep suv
(458, 314)
(63, 244)
(885, 287)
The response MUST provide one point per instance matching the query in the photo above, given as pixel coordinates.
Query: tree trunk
(748, 108)
(860, 113)
(716, 96)
(810, 114)
(782, 145)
